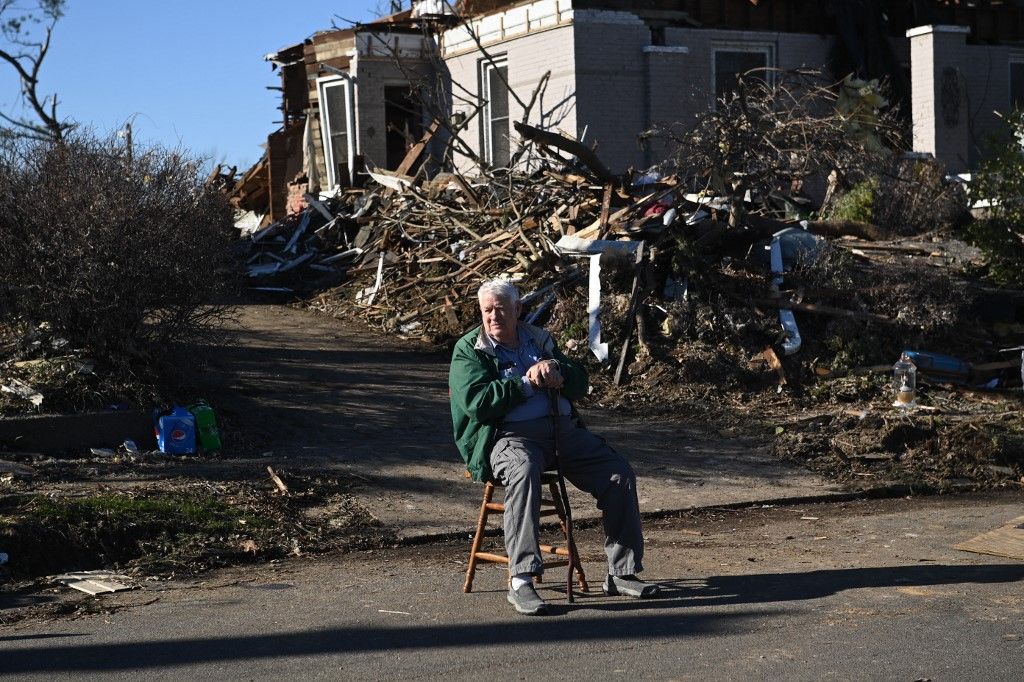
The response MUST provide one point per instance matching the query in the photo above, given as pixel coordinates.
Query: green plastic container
(206, 426)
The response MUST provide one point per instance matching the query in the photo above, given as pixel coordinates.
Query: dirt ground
(356, 423)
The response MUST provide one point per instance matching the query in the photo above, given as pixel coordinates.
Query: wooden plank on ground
(1006, 541)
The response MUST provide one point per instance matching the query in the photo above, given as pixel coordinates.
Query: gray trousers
(525, 449)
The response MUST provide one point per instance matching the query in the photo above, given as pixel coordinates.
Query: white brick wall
(528, 58)
(609, 88)
(932, 52)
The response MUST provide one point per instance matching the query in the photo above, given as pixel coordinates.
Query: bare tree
(26, 29)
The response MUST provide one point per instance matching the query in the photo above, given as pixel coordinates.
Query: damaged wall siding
(373, 75)
(609, 82)
(636, 85)
(334, 48)
(376, 61)
(612, 76)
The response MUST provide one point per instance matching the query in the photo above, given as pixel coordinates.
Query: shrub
(119, 254)
(1000, 180)
(903, 197)
(858, 204)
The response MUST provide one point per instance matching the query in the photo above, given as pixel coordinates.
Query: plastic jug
(206, 426)
(176, 432)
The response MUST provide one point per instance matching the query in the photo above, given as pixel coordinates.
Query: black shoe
(527, 601)
(630, 586)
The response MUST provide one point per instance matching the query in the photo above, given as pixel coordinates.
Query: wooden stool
(552, 506)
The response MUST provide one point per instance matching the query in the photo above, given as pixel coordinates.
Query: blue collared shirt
(513, 362)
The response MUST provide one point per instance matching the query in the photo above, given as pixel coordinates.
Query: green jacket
(480, 398)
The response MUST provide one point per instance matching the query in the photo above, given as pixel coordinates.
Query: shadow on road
(663, 617)
(781, 587)
(166, 653)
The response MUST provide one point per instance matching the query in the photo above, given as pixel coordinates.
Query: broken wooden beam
(568, 145)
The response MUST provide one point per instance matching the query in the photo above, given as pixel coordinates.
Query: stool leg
(478, 539)
(574, 554)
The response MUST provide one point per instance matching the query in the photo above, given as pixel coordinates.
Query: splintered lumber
(16, 470)
(606, 202)
(634, 304)
(414, 153)
(281, 487)
(467, 190)
(824, 310)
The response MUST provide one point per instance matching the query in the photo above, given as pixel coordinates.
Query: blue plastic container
(176, 432)
(940, 365)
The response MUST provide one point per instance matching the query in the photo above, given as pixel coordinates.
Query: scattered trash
(96, 582)
(175, 431)
(904, 382)
(22, 390)
(206, 426)
(941, 366)
(102, 452)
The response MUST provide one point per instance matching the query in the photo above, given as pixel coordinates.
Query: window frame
(348, 85)
(487, 66)
(1014, 60)
(753, 47)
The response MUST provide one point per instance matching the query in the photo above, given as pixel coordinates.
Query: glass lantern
(904, 383)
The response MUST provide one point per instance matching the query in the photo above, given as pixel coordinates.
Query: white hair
(501, 288)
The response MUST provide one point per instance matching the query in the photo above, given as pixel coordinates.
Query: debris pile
(301, 253)
(711, 289)
(36, 358)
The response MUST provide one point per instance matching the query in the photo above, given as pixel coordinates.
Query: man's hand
(545, 374)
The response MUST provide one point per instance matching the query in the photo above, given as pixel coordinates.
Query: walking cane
(563, 493)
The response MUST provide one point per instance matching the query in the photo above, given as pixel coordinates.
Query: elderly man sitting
(500, 377)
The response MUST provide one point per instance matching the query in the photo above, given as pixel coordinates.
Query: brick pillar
(939, 93)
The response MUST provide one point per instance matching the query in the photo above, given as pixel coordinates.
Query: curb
(63, 433)
(876, 493)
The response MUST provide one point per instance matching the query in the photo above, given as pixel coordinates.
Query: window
(728, 62)
(493, 85)
(336, 117)
(1016, 84)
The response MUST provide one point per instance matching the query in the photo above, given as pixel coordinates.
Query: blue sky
(187, 72)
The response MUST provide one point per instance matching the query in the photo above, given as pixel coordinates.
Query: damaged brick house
(605, 70)
(351, 100)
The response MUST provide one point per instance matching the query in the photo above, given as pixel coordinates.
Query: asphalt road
(858, 590)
